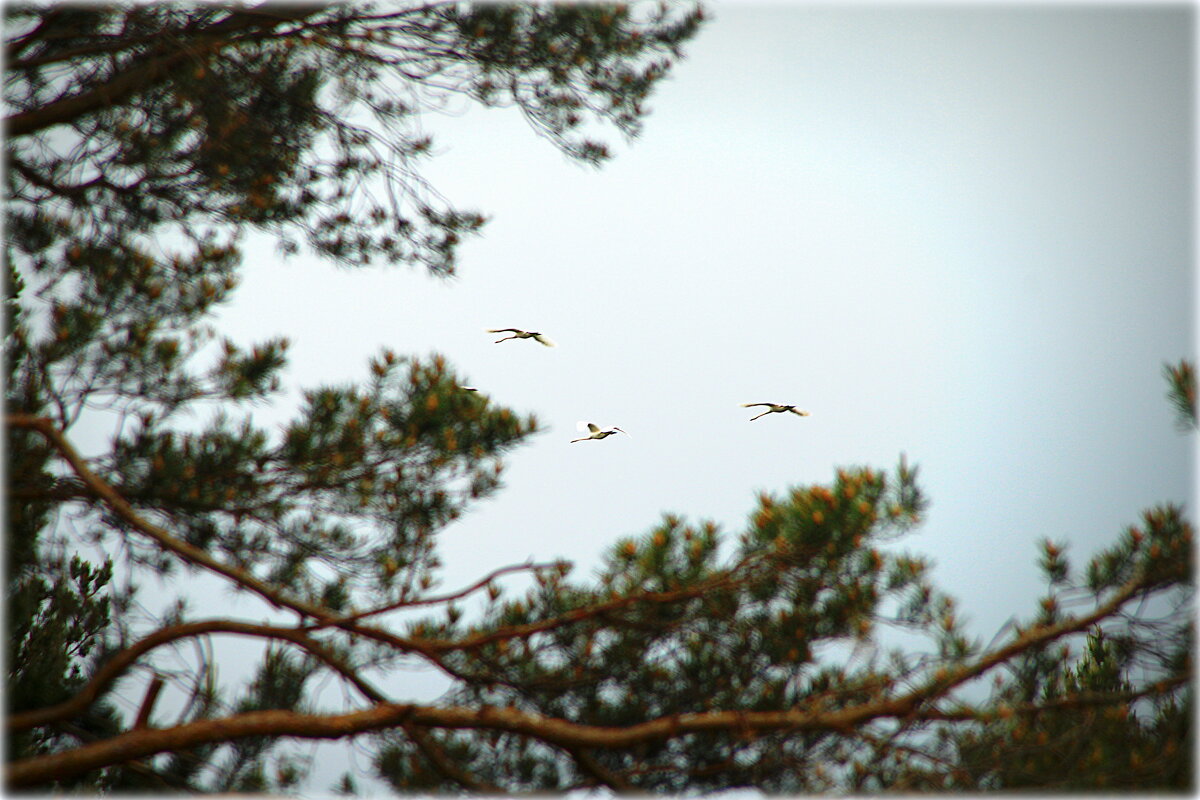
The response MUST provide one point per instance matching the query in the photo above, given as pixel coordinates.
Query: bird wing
(592, 427)
(543, 340)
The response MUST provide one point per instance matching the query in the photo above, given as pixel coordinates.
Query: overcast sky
(963, 233)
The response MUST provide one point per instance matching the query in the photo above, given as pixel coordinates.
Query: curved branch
(446, 598)
(16, 46)
(570, 735)
(123, 660)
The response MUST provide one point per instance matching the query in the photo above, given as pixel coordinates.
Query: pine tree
(144, 142)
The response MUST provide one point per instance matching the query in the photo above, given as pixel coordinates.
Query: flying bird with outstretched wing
(775, 408)
(517, 333)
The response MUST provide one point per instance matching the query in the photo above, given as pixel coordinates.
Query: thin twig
(482, 582)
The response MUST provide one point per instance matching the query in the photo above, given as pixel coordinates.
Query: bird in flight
(775, 408)
(517, 333)
(595, 432)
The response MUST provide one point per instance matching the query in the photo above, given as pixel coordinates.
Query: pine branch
(1182, 393)
(944, 680)
(580, 614)
(560, 732)
(146, 71)
(1072, 702)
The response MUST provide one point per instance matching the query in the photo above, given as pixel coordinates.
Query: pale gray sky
(963, 233)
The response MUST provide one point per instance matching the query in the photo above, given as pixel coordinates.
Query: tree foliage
(804, 652)
(1181, 391)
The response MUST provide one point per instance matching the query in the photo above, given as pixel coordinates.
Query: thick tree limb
(570, 735)
(138, 767)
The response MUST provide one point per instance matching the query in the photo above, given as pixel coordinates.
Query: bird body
(595, 432)
(775, 408)
(517, 333)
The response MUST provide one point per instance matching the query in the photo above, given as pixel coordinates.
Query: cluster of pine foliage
(144, 141)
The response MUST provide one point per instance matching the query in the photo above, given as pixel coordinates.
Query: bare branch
(143, 717)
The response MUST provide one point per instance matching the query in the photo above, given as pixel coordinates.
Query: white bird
(595, 432)
(517, 333)
(775, 408)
